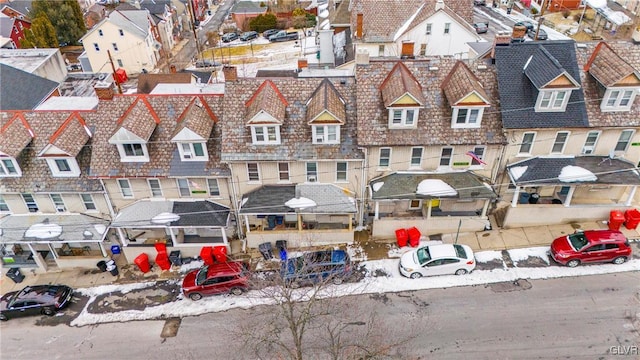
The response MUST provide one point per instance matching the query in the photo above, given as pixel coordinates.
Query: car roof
(41, 293)
(222, 269)
(603, 236)
(442, 251)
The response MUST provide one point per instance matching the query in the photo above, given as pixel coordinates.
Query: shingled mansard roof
(326, 99)
(15, 134)
(69, 138)
(399, 82)
(460, 83)
(269, 100)
(609, 68)
(434, 118)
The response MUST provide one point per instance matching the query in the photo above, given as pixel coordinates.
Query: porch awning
(203, 213)
(567, 170)
(51, 228)
(416, 185)
(272, 199)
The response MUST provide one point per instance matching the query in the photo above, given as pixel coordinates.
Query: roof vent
(482, 67)
(433, 68)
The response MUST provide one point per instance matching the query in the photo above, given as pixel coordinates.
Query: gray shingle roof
(20, 90)
(75, 227)
(200, 213)
(271, 199)
(405, 185)
(518, 94)
(542, 68)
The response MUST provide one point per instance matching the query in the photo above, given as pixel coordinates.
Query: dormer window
(467, 117)
(133, 152)
(265, 135)
(195, 151)
(9, 167)
(552, 100)
(617, 100)
(403, 118)
(326, 134)
(63, 167)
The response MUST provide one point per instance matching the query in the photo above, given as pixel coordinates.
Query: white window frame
(589, 146)
(322, 135)
(4, 207)
(618, 96)
(467, 124)
(405, 121)
(447, 28)
(133, 158)
(345, 172)
(59, 206)
(551, 98)
(428, 29)
(388, 158)
(443, 157)
(89, 200)
(283, 174)
(260, 134)
(625, 143)
(409, 207)
(530, 144)
(480, 155)
(56, 171)
(181, 188)
(4, 170)
(125, 191)
(255, 172)
(189, 154)
(557, 143)
(155, 192)
(311, 175)
(381, 49)
(213, 190)
(33, 202)
(412, 162)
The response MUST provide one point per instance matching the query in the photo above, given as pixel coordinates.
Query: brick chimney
(105, 89)
(519, 32)
(230, 73)
(407, 50)
(359, 21)
(501, 39)
(302, 63)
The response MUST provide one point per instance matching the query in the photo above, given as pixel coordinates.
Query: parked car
(268, 33)
(591, 246)
(229, 37)
(480, 2)
(283, 35)
(249, 35)
(542, 35)
(481, 28)
(35, 300)
(205, 63)
(316, 266)
(220, 278)
(527, 24)
(438, 259)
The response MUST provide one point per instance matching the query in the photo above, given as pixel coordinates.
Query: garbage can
(616, 218)
(402, 237)
(533, 198)
(631, 219)
(142, 261)
(265, 250)
(163, 261)
(175, 258)
(220, 254)
(206, 254)
(102, 265)
(524, 198)
(283, 254)
(15, 275)
(281, 244)
(115, 249)
(112, 267)
(414, 236)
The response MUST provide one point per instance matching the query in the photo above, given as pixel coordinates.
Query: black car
(527, 24)
(480, 2)
(542, 35)
(268, 33)
(229, 37)
(35, 300)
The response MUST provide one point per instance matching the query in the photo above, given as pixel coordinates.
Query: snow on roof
(435, 187)
(442, 251)
(377, 185)
(100, 228)
(43, 231)
(517, 171)
(69, 103)
(571, 173)
(300, 203)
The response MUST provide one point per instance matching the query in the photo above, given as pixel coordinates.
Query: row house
(571, 122)
(412, 28)
(158, 157)
(291, 147)
(52, 214)
(13, 29)
(432, 134)
(163, 21)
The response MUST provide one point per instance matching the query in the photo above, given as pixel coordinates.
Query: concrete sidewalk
(499, 239)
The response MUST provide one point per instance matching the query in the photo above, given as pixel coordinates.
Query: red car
(591, 246)
(221, 278)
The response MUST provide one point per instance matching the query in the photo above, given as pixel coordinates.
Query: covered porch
(560, 190)
(433, 202)
(52, 242)
(303, 215)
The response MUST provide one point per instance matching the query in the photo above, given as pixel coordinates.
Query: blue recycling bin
(524, 198)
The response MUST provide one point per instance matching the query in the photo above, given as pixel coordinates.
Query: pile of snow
(435, 187)
(300, 203)
(43, 231)
(572, 173)
(100, 228)
(377, 186)
(486, 256)
(517, 171)
(517, 255)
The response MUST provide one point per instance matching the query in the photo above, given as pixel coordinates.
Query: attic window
(133, 152)
(617, 99)
(552, 100)
(63, 167)
(326, 134)
(470, 117)
(193, 151)
(265, 135)
(402, 118)
(9, 167)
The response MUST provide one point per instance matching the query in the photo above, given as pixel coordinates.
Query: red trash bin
(631, 219)
(163, 261)
(161, 248)
(414, 236)
(220, 253)
(142, 261)
(402, 237)
(616, 218)
(207, 255)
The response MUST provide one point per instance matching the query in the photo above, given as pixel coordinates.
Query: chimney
(501, 39)
(104, 90)
(359, 26)
(407, 50)
(362, 57)
(439, 5)
(137, 4)
(302, 63)
(173, 70)
(519, 32)
(230, 73)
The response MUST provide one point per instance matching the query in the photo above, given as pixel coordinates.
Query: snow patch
(435, 187)
(572, 173)
(43, 231)
(517, 171)
(100, 228)
(486, 256)
(517, 255)
(377, 185)
(300, 203)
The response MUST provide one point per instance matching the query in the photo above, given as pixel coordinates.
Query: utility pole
(192, 15)
(113, 68)
(541, 19)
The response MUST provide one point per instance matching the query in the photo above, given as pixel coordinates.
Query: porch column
(53, 251)
(376, 215)
(37, 258)
(246, 223)
(516, 196)
(173, 236)
(123, 238)
(429, 207)
(103, 250)
(349, 218)
(299, 221)
(631, 195)
(224, 237)
(567, 201)
(485, 207)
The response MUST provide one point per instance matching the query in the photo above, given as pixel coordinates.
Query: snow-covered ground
(382, 276)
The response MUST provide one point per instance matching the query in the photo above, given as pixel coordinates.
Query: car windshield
(578, 241)
(460, 251)
(423, 255)
(201, 276)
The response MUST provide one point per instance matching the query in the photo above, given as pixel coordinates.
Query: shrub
(534, 10)
(566, 13)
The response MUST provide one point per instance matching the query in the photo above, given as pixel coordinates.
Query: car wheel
(3, 317)
(619, 260)
(573, 263)
(48, 311)
(337, 280)
(461, 272)
(195, 296)
(416, 276)
(236, 291)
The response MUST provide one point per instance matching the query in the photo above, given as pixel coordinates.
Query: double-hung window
(384, 160)
(341, 171)
(618, 100)
(3, 205)
(8, 167)
(560, 142)
(253, 172)
(478, 151)
(446, 156)
(155, 188)
(214, 189)
(416, 157)
(403, 118)
(125, 188)
(58, 204)
(624, 140)
(553, 100)
(63, 167)
(87, 200)
(527, 143)
(265, 135)
(283, 171)
(467, 117)
(312, 172)
(193, 151)
(326, 134)
(183, 187)
(30, 202)
(133, 152)
(590, 143)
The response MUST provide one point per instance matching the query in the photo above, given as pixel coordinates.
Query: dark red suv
(221, 278)
(591, 246)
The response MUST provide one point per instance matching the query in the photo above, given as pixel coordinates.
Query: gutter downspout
(236, 212)
(363, 186)
(113, 217)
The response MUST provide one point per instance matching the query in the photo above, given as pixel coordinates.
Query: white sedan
(440, 259)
